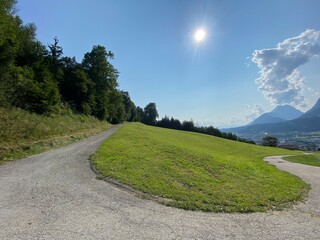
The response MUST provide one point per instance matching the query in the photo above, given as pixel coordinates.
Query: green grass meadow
(197, 172)
(312, 159)
(23, 134)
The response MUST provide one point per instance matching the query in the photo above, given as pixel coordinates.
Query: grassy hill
(312, 159)
(196, 171)
(23, 133)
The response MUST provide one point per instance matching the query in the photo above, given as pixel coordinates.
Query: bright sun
(200, 35)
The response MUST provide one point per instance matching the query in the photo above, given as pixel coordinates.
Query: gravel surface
(55, 195)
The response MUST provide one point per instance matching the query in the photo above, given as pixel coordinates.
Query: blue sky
(213, 82)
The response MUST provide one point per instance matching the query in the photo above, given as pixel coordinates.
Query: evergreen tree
(54, 59)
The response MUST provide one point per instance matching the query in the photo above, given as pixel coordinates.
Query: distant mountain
(307, 122)
(287, 112)
(313, 112)
(279, 114)
(266, 118)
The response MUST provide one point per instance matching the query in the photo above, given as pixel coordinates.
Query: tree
(140, 114)
(116, 109)
(130, 108)
(150, 114)
(164, 122)
(213, 131)
(175, 123)
(188, 126)
(33, 85)
(270, 141)
(54, 57)
(77, 89)
(55, 52)
(104, 77)
(9, 43)
(38, 78)
(99, 69)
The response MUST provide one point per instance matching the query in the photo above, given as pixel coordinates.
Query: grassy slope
(312, 159)
(23, 133)
(196, 171)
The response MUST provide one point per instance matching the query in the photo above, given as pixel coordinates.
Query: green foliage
(130, 108)
(150, 114)
(76, 87)
(8, 28)
(270, 141)
(36, 91)
(108, 104)
(56, 53)
(23, 133)
(99, 69)
(140, 114)
(197, 172)
(38, 79)
(312, 159)
(190, 127)
(116, 108)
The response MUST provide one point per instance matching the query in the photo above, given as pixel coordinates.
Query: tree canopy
(150, 114)
(270, 141)
(41, 79)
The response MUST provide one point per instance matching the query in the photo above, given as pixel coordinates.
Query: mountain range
(279, 114)
(283, 119)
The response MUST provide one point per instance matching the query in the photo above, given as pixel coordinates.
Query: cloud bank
(280, 79)
(253, 112)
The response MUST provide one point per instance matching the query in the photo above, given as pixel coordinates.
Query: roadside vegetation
(23, 133)
(312, 159)
(196, 171)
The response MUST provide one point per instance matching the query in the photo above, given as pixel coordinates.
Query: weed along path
(55, 195)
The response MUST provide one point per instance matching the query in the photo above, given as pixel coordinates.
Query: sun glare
(200, 35)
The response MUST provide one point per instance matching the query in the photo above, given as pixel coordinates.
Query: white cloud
(280, 79)
(253, 111)
(313, 92)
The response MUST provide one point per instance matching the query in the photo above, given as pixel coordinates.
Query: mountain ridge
(307, 122)
(278, 114)
(313, 112)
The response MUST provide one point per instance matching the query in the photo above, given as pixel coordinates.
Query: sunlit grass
(197, 172)
(23, 133)
(312, 159)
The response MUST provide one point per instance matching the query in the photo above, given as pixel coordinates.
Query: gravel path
(55, 195)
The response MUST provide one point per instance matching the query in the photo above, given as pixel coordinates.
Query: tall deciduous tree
(150, 114)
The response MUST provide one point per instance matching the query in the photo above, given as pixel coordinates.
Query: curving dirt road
(55, 195)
